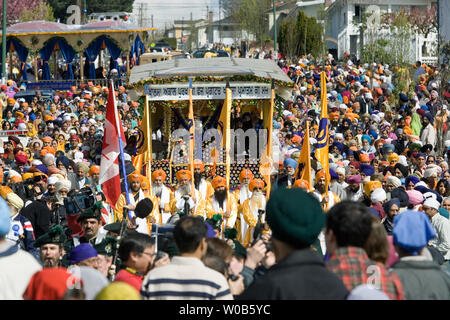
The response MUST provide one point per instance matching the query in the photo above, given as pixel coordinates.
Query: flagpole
(149, 144)
(119, 125)
(191, 138)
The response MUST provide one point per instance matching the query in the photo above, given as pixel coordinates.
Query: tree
(14, 9)
(60, 6)
(43, 11)
(288, 37)
(302, 35)
(253, 17)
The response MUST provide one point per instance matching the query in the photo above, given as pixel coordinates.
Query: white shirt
(442, 241)
(16, 271)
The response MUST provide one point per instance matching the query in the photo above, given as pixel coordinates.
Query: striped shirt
(185, 278)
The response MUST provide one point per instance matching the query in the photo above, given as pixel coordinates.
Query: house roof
(219, 67)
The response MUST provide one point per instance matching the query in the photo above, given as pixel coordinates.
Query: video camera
(163, 239)
(77, 201)
(257, 233)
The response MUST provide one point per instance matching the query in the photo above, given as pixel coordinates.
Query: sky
(166, 11)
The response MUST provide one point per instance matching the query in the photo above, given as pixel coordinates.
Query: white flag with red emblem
(109, 164)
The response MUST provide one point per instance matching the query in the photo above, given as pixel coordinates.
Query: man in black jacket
(296, 219)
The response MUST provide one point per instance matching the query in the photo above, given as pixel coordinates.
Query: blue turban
(290, 162)
(210, 233)
(350, 152)
(82, 252)
(373, 134)
(424, 108)
(412, 179)
(429, 116)
(387, 147)
(421, 155)
(333, 175)
(387, 206)
(64, 160)
(412, 231)
(32, 117)
(42, 168)
(367, 169)
(339, 145)
(403, 97)
(276, 125)
(366, 137)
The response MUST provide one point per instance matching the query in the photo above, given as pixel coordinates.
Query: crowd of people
(379, 229)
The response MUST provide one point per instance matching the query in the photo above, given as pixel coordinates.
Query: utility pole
(275, 29)
(153, 31)
(4, 43)
(141, 14)
(192, 33)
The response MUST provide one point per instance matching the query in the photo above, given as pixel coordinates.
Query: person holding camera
(296, 219)
(222, 203)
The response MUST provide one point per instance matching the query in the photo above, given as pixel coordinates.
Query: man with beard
(51, 250)
(163, 195)
(354, 190)
(143, 225)
(183, 200)
(326, 198)
(219, 203)
(241, 194)
(288, 179)
(59, 215)
(251, 208)
(78, 178)
(94, 173)
(200, 183)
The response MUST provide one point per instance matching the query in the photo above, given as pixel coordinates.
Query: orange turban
(219, 181)
(370, 186)
(333, 116)
(94, 169)
(145, 184)
(363, 157)
(296, 138)
(301, 183)
(19, 115)
(407, 130)
(11, 101)
(183, 174)
(159, 173)
(43, 152)
(27, 176)
(246, 173)
(199, 164)
(134, 177)
(4, 190)
(320, 174)
(47, 139)
(49, 149)
(256, 183)
(48, 118)
(16, 179)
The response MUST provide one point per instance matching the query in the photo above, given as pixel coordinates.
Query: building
(344, 35)
(200, 33)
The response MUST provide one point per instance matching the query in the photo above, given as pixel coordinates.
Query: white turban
(340, 170)
(63, 184)
(394, 181)
(429, 172)
(378, 195)
(15, 200)
(52, 180)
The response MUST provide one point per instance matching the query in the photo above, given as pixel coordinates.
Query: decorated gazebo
(165, 85)
(41, 39)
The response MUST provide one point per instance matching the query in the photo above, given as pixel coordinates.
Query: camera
(77, 201)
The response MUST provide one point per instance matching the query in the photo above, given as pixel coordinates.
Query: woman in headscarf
(61, 143)
(416, 124)
(32, 131)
